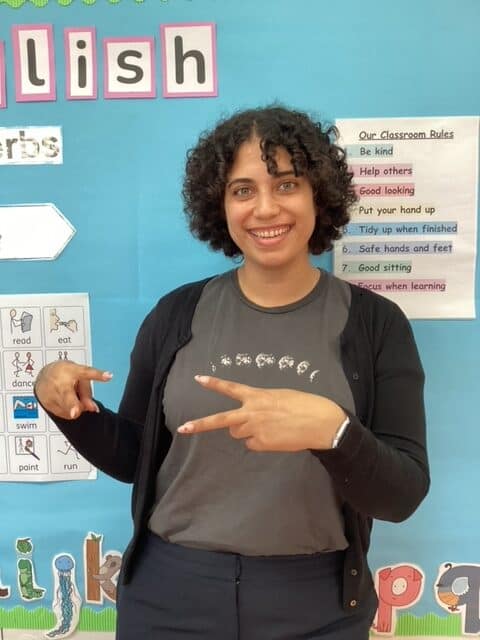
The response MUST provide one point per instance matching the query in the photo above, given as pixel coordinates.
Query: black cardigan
(380, 468)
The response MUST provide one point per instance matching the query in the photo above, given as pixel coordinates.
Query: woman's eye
(242, 192)
(287, 186)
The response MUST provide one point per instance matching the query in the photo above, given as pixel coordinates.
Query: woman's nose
(266, 205)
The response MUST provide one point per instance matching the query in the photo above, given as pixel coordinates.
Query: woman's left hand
(271, 419)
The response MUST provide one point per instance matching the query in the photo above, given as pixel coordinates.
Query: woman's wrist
(340, 433)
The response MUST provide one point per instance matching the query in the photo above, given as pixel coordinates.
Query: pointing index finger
(214, 422)
(91, 373)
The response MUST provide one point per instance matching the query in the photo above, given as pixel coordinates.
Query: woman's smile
(270, 233)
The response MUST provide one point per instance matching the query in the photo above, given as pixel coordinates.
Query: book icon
(24, 323)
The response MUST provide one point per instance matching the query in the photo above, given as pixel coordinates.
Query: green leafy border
(407, 625)
(42, 618)
(17, 4)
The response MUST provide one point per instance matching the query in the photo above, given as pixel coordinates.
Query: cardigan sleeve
(111, 440)
(382, 470)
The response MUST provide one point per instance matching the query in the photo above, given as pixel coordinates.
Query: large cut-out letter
(34, 63)
(458, 589)
(101, 571)
(81, 64)
(397, 587)
(189, 60)
(129, 68)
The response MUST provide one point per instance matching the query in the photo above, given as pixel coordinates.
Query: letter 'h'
(180, 58)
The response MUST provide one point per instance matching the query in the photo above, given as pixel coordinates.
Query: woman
(256, 482)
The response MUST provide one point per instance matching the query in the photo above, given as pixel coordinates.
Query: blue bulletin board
(119, 186)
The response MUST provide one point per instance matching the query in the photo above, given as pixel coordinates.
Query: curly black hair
(313, 153)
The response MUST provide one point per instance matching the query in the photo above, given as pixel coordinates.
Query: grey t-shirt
(212, 492)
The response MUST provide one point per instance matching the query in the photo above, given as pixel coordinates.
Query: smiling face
(270, 218)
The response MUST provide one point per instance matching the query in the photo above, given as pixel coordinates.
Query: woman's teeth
(270, 233)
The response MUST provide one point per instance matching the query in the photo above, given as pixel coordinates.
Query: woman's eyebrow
(280, 174)
(248, 180)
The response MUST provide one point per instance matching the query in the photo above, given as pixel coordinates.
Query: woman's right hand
(64, 388)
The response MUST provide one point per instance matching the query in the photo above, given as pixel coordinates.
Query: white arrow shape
(33, 232)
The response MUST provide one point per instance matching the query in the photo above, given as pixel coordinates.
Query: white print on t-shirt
(262, 360)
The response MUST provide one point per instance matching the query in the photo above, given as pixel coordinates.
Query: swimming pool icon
(25, 408)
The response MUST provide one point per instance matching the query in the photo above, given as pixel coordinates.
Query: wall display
(33, 232)
(189, 64)
(99, 104)
(60, 609)
(36, 330)
(413, 234)
(30, 145)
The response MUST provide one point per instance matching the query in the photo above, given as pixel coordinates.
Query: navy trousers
(179, 593)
